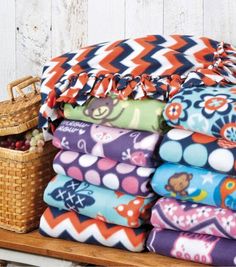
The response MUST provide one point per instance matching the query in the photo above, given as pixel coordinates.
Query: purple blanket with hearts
(132, 147)
(105, 172)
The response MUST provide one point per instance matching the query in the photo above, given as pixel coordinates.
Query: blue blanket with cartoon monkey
(195, 185)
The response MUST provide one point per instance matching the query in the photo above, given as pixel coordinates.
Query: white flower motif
(228, 222)
(170, 208)
(203, 211)
(179, 220)
(191, 220)
(217, 103)
(219, 211)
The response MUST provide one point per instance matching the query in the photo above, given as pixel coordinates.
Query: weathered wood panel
(33, 37)
(33, 31)
(69, 25)
(7, 45)
(183, 17)
(143, 17)
(106, 20)
(220, 20)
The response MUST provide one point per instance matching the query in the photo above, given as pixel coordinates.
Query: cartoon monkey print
(178, 183)
(101, 108)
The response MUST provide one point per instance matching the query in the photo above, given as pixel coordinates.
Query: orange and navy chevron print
(76, 227)
(150, 67)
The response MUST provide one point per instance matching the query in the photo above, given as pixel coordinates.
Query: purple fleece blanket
(201, 248)
(133, 147)
(105, 172)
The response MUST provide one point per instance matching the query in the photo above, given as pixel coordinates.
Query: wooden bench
(32, 248)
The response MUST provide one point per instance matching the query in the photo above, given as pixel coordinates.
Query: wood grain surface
(83, 253)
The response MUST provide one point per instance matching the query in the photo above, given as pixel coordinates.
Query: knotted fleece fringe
(154, 67)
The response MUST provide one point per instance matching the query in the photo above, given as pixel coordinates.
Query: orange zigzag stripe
(81, 226)
(115, 52)
(174, 61)
(199, 55)
(58, 71)
(179, 42)
(143, 65)
(76, 68)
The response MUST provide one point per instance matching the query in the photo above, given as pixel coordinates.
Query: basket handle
(20, 84)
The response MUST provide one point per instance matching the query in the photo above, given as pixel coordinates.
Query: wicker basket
(23, 179)
(19, 114)
(23, 175)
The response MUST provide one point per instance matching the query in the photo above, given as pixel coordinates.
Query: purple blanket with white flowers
(178, 215)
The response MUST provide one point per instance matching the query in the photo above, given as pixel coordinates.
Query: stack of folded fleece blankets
(196, 219)
(102, 191)
(104, 107)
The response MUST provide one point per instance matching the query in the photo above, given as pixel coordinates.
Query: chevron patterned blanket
(150, 67)
(72, 226)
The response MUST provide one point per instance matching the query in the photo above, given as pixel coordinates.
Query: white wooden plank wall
(33, 31)
(183, 17)
(220, 20)
(69, 25)
(7, 45)
(143, 17)
(33, 37)
(106, 20)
